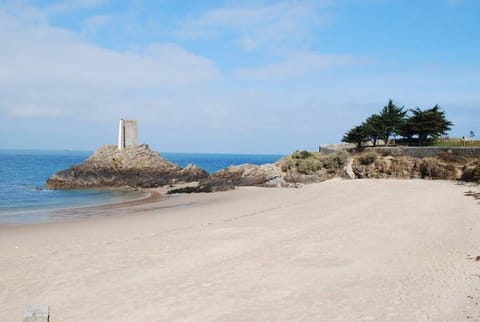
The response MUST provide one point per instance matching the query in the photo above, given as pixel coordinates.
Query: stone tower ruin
(127, 133)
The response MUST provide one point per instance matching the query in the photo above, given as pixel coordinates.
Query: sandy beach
(342, 250)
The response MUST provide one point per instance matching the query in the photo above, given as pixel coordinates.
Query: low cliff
(304, 167)
(444, 166)
(135, 166)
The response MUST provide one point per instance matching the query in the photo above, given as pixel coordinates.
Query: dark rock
(135, 166)
(205, 186)
(267, 175)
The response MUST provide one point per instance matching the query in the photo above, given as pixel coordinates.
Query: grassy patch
(452, 144)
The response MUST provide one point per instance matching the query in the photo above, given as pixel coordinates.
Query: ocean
(23, 174)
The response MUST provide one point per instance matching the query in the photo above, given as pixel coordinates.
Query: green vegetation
(335, 161)
(429, 123)
(456, 143)
(308, 163)
(301, 155)
(357, 135)
(390, 120)
(373, 128)
(367, 158)
(419, 127)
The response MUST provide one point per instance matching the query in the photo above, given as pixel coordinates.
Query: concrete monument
(127, 133)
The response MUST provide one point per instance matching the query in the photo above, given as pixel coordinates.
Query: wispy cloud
(256, 26)
(93, 23)
(298, 65)
(70, 5)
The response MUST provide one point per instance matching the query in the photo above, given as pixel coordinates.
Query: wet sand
(359, 250)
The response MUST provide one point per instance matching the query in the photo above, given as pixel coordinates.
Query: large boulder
(135, 166)
(267, 175)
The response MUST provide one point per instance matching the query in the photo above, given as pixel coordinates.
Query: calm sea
(23, 174)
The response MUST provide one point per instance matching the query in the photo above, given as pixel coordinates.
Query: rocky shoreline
(135, 166)
(140, 167)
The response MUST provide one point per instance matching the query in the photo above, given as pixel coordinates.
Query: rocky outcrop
(267, 175)
(138, 166)
(447, 166)
(299, 168)
(135, 166)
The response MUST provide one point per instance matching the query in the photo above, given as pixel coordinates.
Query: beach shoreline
(79, 212)
(341, 250)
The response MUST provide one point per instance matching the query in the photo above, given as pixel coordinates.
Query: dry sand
(359, 250)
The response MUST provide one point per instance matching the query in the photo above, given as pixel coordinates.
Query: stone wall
(423, 152)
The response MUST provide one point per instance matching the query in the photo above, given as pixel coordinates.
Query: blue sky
(230, 76)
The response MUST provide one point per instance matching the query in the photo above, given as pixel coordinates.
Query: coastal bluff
(134, 166)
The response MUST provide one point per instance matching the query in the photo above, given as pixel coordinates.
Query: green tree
(391, 119)
(374, 128)
(407, 130)
(356, 135)
(425, 124)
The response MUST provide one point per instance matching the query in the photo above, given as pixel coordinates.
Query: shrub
(368, 158)
(308, 166)
(286, 164)
(335, 161)
(301, 155)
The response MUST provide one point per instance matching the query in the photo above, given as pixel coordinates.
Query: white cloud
(43, 54)
(255, 26)
(300, 64)
(46, 70)
(34, 111)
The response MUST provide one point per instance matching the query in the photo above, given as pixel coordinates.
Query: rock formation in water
(135, 166)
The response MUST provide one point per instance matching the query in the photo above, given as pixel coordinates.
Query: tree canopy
(356, 135)
(425, 124)
(374, 128)
(393, 120)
